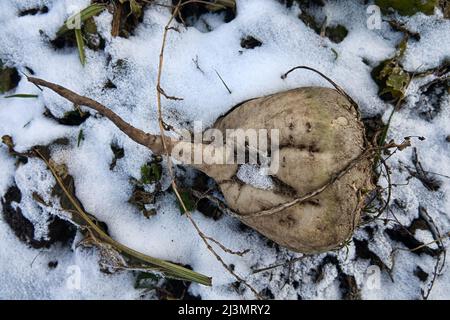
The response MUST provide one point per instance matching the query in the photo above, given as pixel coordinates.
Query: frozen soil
(39, 254)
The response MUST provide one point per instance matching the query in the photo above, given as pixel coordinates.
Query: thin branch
(337, 87)
(364, 155)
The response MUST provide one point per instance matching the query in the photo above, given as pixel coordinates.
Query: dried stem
(153, 142)
(438, 238)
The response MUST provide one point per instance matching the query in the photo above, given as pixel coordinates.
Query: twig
(430, 183)
(34, 259)
(438, 239)
(224, 208)
(423, 213)
(220, 204)
(429, 172)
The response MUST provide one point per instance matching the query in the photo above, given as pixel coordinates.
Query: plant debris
(165, 289)
(144, 201)
(336, 33)
(362, 251)
(403, 236)
(147, 187)
(421, 274)
(187, 201)
(80, 137)
(21, 95)
(151, 171)
(347, 283)
(85, 14)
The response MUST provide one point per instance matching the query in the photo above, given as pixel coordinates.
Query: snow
(287, 42)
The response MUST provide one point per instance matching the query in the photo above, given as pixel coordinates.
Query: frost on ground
(376, 264)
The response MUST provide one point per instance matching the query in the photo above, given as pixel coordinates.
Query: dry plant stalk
(103, 241)
(112, 253)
